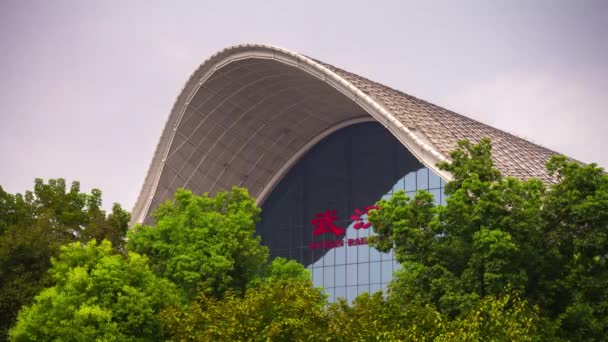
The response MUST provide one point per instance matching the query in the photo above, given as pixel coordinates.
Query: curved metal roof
(249, 112)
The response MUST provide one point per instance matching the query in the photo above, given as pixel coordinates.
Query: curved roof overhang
(248, 113)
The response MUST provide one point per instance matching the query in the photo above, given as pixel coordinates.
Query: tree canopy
(203, 243)
(34, 225)
(98, 295)
(282, 306)
(505, 259)
(498, 234)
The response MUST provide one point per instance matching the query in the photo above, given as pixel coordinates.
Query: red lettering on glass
(324, 223)
(370, 207)
(357, 241)
(326, 244)
(359, 223)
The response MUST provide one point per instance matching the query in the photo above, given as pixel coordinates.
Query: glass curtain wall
(317, 213)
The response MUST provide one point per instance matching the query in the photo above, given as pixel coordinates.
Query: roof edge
(424, 152)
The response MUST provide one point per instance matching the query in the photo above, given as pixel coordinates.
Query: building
(316, 146)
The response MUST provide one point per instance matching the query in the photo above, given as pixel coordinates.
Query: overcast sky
(86, 86)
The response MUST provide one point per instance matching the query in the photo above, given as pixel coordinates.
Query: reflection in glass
(340, 292)
(374, 254)
(410, 181)
(345, 172)
(340, 275)
(375, 273)
(373, 288)
(422, 179)
(434, 181)
(340, 255)
(351, 293)
(363, 271)
(351, 274)
(328, 276)
(317, 276)
(350, 270)
(436, 195)
(362, 288)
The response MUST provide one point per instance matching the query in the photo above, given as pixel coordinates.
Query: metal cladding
(249, 112)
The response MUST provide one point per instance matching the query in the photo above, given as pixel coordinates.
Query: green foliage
(504, 260)
(576, 215)
(281, 269)
(277, 310)
(502, 318)
(34, 225)
(204, 243)
(99, 295)
(374, 318)
(497, 234)
(207, 245)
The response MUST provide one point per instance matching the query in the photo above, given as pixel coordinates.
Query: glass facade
(317, 213)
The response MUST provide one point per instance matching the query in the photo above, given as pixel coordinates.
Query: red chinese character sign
(359, 224)
(324, 223)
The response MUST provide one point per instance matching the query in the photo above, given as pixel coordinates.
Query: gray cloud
(560, 109)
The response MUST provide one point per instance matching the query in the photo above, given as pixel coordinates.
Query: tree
(207, 246)
(204, 244)
(576, 229)
(497, 234)
(374, 317)
(495, 318)
(281, 306)
(281, 269)
(34, 225)
(99, 295)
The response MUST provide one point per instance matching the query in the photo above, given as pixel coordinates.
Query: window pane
(375, 272)
(363, 275)
(340, 276)
(330, 292)
(444, 199)
(410, 181)
(422, 179)
(351, 274)
(340, 292)
(340, 255)
(363, 253)
(328, 259)
(434, 180)
(351, 293)
(436, 196)
(351, 251)
(374, 254)
(328, 276)
(362, 289)
(317, 276)
(399, 185)
(373, 288)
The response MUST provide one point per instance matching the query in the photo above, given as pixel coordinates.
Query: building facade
(317, 147)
